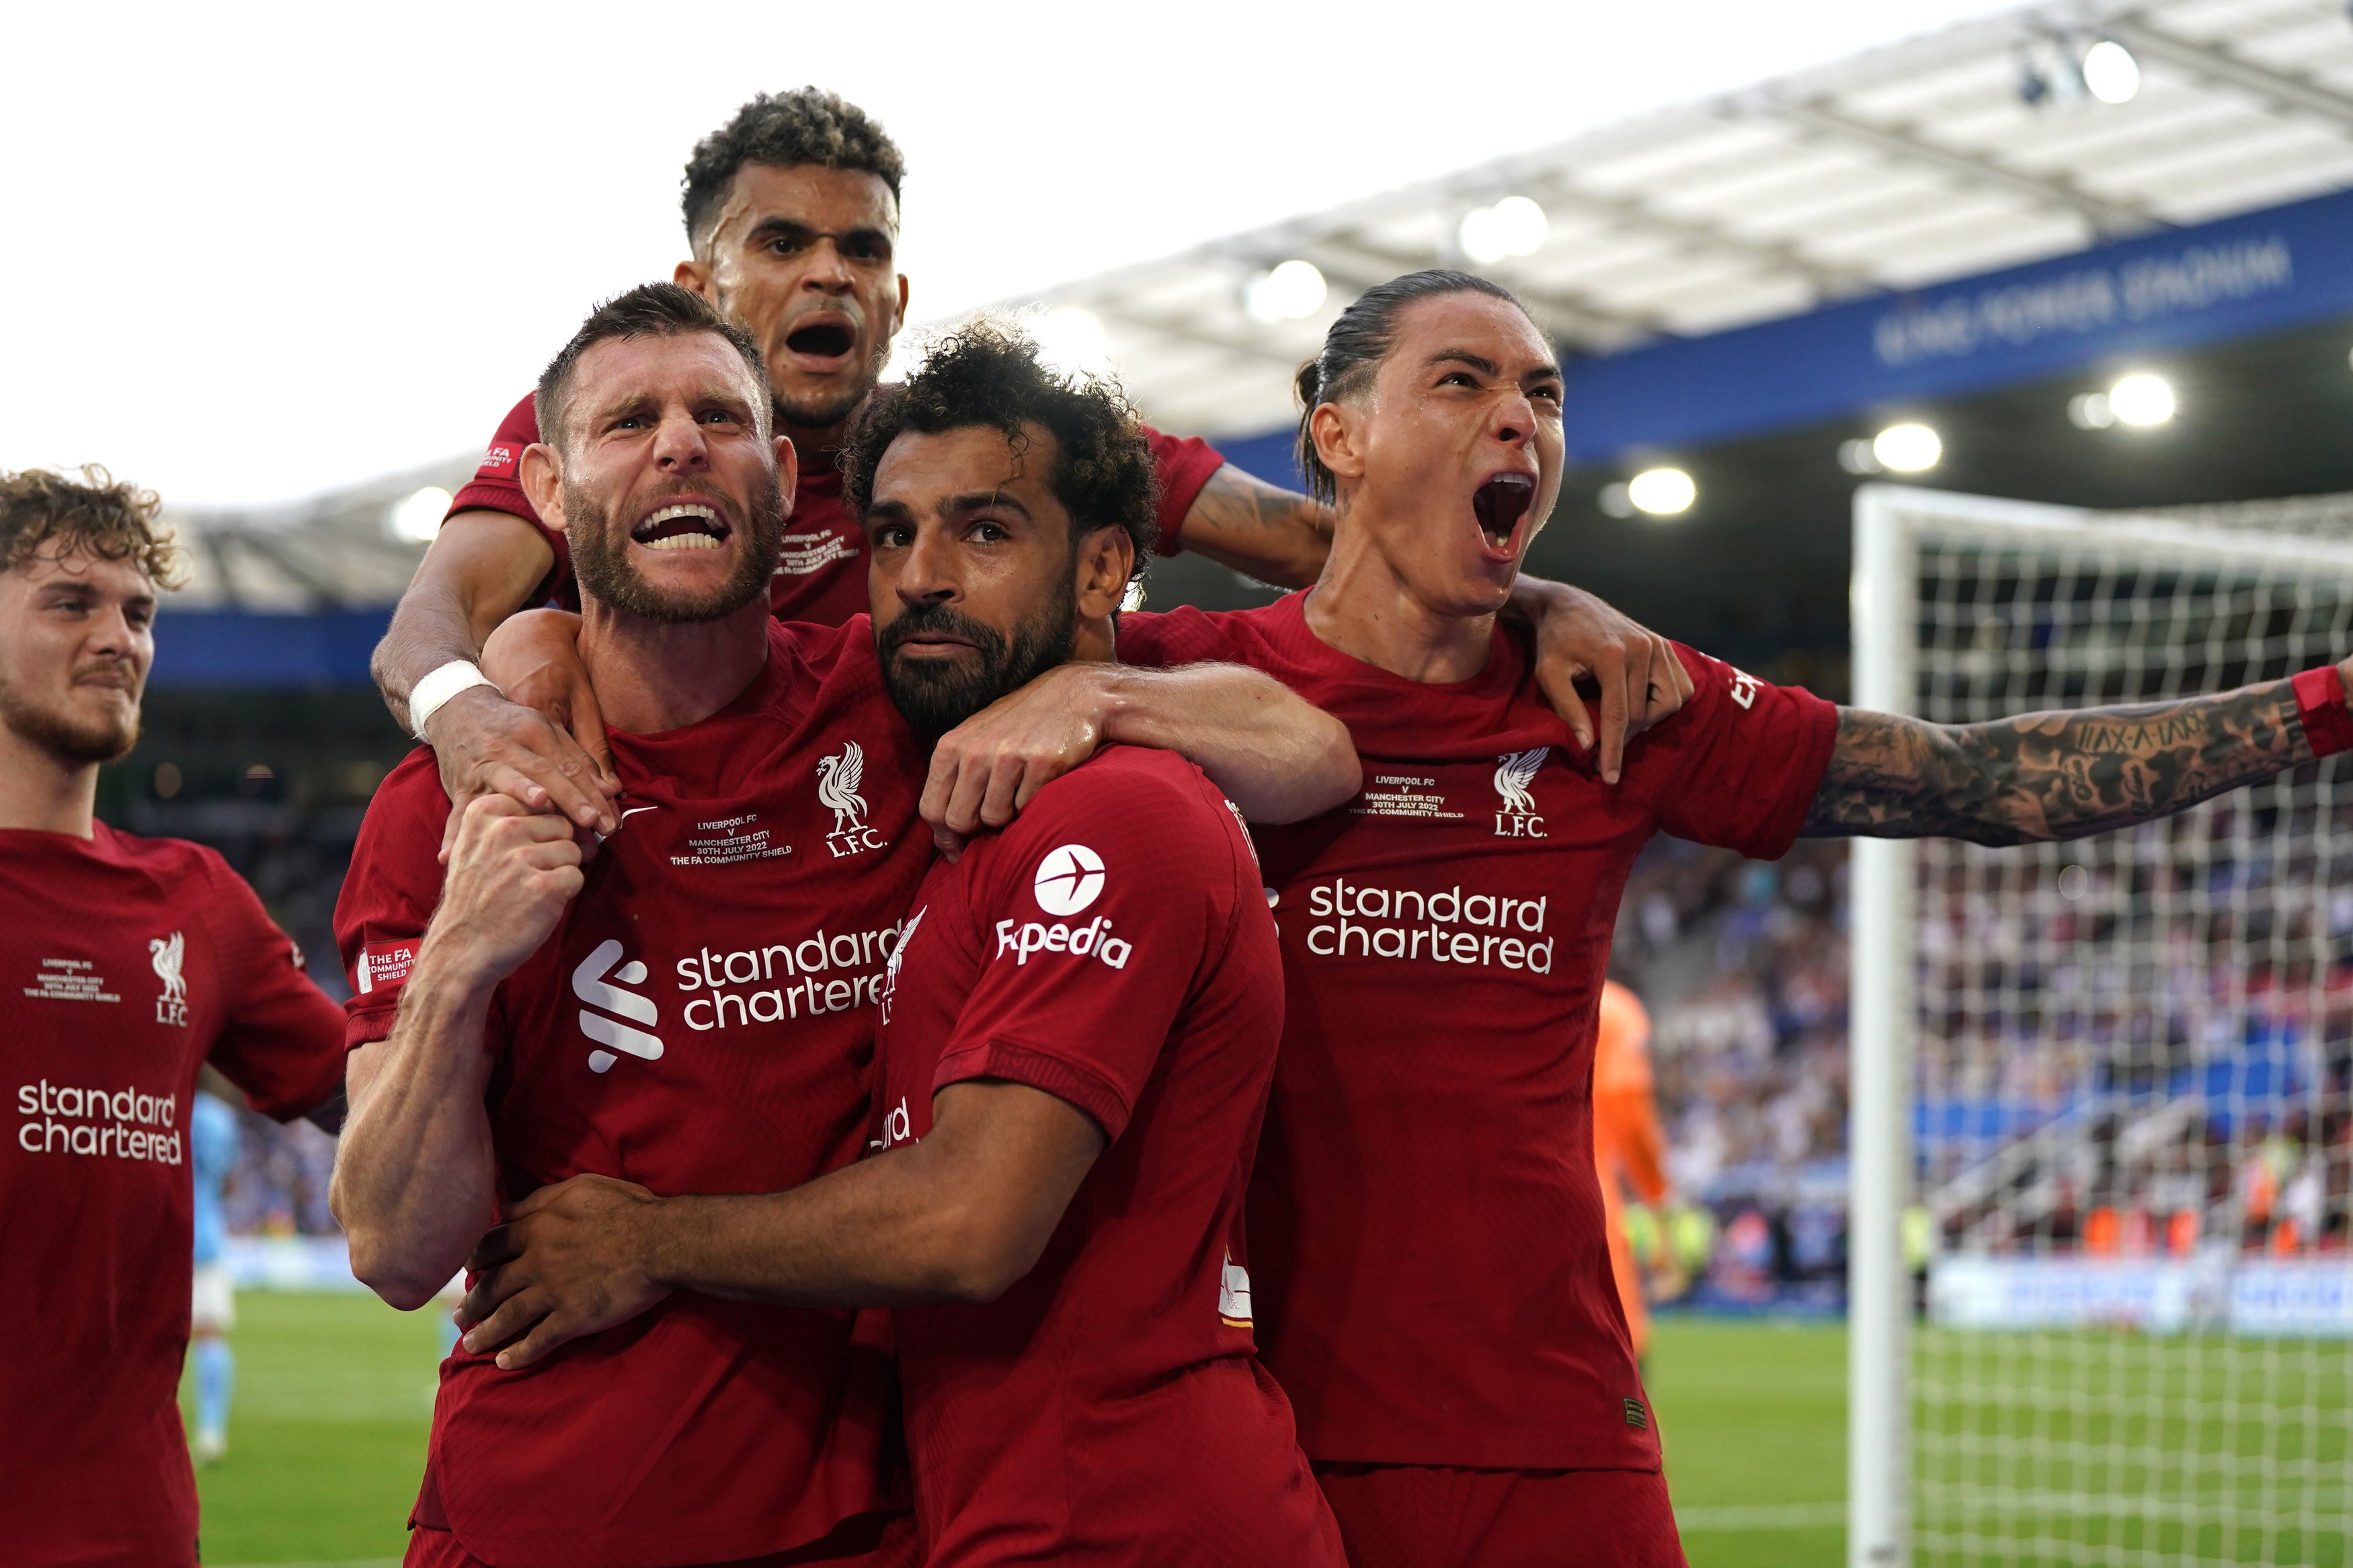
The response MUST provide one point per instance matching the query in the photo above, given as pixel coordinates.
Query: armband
(426, 698)
(2320, 706)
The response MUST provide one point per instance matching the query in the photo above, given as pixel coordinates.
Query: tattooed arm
(2044, 777)
(1259, 529)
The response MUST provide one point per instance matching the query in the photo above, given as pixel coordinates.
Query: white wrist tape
(425, 699)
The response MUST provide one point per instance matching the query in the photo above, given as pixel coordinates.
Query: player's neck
(813, 445)
(653, 676)
(1364, 607)
(42, 793)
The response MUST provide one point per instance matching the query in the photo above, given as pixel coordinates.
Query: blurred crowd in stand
(1743, 966)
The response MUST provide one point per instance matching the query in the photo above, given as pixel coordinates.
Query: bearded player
(1433, 1286)
(1077, 1030)
(693, 1008)
(792, 222)
(131, 963)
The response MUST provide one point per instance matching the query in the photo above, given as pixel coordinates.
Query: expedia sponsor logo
(121, 1123)
(1450, 927)
(827, 972)
(1094, 937)
(1745, 687)
(1068, 881)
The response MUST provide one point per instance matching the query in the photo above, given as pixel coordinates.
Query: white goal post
(2101, 1086)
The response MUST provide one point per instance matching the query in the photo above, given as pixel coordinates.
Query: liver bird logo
(1514, 771)
(166, 953)
(837, 787)
(898, 956)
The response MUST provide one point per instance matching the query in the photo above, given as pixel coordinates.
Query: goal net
(2102, 1301)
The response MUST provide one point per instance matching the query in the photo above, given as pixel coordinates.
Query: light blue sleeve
(212, 1149)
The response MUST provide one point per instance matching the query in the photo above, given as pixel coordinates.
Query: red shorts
(863, 1542)
(1427, 1516)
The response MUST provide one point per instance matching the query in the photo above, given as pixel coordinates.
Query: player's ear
(902, 307)
(1107, 561)
(695, 274)
(543, 483)
(1338, 431)
(788, 472)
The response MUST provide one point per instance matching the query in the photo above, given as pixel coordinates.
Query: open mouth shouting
(682, 525)
(822, 342)
(1501, 503)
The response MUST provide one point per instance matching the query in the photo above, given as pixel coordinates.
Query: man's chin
(75, 740)
(823, 406)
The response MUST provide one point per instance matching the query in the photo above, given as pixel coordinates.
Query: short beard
(837, 410)
(600, 562)
(936, 698)
(72, 741)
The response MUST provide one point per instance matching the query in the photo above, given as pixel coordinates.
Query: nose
(927, 571)
(829, 270)
(1514, 417)
(679, 447)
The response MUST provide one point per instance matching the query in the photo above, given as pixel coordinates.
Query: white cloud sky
(252, 253)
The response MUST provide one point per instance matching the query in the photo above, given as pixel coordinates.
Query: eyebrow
(793, 228)
(1478, 363)
(977, 500)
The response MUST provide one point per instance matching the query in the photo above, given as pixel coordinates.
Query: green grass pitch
(333, 1392)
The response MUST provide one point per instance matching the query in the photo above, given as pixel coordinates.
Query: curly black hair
(808, 125)
(988, 373)
(89, 510)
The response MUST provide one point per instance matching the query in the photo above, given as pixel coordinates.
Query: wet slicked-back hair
(808, 125)
(1354, 347)
(649, 310)
(89, 509)
(987, 375)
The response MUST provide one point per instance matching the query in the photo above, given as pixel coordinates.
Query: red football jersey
(1111, 948)
(822, 574)
(1433, 1277)
(129, 962)
(701, 1021)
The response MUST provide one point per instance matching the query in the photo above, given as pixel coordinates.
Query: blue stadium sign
(2259, 272)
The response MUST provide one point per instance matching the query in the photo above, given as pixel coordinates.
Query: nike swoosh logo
(634, 809)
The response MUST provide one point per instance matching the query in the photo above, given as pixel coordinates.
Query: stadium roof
(1899, 168)
(1905, 166)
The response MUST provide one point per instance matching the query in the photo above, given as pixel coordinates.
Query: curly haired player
(130, 964)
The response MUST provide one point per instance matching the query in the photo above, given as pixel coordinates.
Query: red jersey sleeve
(1741, 764)
(1164, 639)
(497, 486)
(389, 893)
(1186, 464)
(282, 1040)
(1093, 934)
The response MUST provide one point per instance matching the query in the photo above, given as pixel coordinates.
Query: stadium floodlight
(2090, 411)
(1513, 227)
(1071, 342)
(2141, 399)
(1288, 292)
(416, 518)
(1907, 448)
(2110, 72)
(1662, 493)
